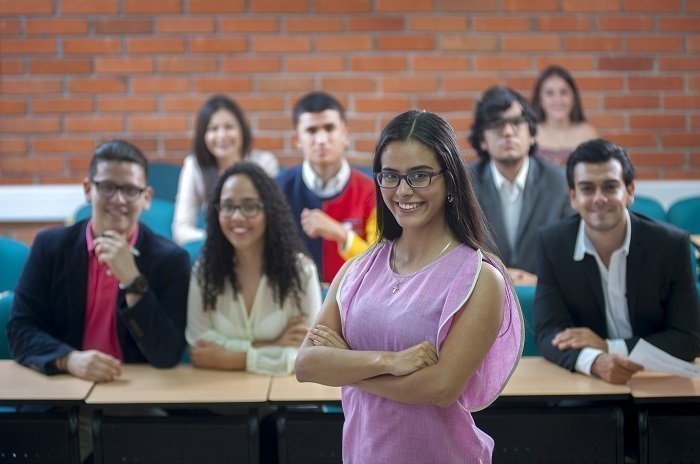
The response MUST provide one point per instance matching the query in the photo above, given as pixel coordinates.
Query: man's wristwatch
(139, 286)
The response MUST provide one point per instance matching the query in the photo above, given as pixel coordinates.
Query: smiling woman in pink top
(424, 327)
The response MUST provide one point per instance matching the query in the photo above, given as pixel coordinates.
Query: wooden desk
(655, 386)
(289, 390)
(19, 384)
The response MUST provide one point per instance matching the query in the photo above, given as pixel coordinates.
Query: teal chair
(5, 307)
(648, 207)
(366, 170)
(193, 249)
(164, 177)
(686, 214)
(526, 295)
(13, 255)
(158, 218)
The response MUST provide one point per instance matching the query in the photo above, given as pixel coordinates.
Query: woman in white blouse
(222, 138)
(253, 293)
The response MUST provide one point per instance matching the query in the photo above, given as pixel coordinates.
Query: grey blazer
(545, 202)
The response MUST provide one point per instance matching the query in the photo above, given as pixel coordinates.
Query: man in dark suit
(103, 291)
(608, 277)
(518, 192)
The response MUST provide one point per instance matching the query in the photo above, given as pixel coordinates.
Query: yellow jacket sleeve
(360, 244)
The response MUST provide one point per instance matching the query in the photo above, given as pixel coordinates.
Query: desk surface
(184, 384)
(289, 389)
(19, 383)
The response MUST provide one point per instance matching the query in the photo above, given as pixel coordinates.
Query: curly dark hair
(281, 250)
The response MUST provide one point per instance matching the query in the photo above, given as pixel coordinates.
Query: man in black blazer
(608, 277)
(518, 192)
(104, 291)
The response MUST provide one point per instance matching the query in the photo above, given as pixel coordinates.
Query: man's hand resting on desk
(93, 365)
(578, 338)
(614, 368)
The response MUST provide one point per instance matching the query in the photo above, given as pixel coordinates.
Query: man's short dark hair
(120, 151)
(599, 151)
(492, 105)
(316, 102)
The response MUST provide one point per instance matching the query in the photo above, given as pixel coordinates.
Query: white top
(511, 194)
(232, 326)
(191, 195)
(321, 188)
(613, 281)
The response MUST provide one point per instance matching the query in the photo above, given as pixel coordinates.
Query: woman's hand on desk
(210, 355)
(292, 336)
(93, 365)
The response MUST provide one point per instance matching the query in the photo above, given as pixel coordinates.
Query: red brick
(600, 83)
(12, 107)
(368, 23)
(683, 139)
(469, 83)
(221, 85)
(218, 45)
(530, 5)
(31, 165)
(593, 44)
(284, 84)
(249, 25)
(625, 23)
(446, 104)
(470, 6)
(30, 125)
(657, 121)
(312, 25)
(152, 6)
(679, 63)
(344, 6)
(314, 64)
(124, 65)
(79, 164)
(56, 26)
(378, 63)
(540, 42)
(99, 85)
(592, 6)
(182, 104)
(251, 64)
(159, 84)
(679, 24)
(344, 43)
(11, 67)
(89, 6)
(406, 42)
(60, 66)
(216, 6)
(273, 123)
(564, 23)
(469, 43)
(519, 83)
(94, 124)
(654, 44)
(641, 159)
(9, 27)
(185, 25)
(268, 143)
(691, 102)
(357, 125)
(91, 46)
(653, 6)
(631, 101)
(279, 6)
(692, 174)
(123, 26)
(186, 65)
(280, 44)
(404, 6)
(62, 105)
(382, 105)
(365, 145)
(158, 123)
(64, 145)
(626, 63)
(181, 144)
(440, 63)
(607, 121)
(349, 84)
(693, 43)
(693, 6)
(438, 23)
(503, 63)
(126, 105)
(27, 46)
(10, 146)
(694, 82)
(169, 45)
(26, 7)
(409, 84)
(655, 83)
(27, 86)
(633, 139)
(572, 63)
(501, 24)
(261, 103)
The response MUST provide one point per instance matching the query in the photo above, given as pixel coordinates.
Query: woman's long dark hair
(281, 243)
(576, 114)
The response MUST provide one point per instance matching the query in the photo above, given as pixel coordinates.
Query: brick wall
(74, 73)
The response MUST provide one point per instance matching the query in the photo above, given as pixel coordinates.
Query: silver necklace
(392, 262)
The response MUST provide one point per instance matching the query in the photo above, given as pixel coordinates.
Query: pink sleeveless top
(379, 430)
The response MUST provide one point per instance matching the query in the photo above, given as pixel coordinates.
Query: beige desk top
(184, 384)
(659, 385)
(288, 389)
(19, 383)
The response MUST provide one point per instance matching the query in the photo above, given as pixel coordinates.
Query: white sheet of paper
(654, 359)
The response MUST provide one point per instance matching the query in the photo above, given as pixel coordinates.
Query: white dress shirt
(511, 194)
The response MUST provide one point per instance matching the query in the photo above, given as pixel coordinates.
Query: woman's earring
(450, 198)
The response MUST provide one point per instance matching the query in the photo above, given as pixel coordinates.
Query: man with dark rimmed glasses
(518, 192)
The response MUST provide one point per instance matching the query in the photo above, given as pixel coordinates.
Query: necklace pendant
(396, 287)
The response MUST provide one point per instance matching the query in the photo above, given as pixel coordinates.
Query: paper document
(654, 359)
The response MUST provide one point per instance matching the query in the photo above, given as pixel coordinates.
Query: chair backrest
(366, 170)
(686, 214)
(526, 295)
(158, 218)
(164, 177)
(648, 207)
(5, 307)
(13, 255)
(193, 249)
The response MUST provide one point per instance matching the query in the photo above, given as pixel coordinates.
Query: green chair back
(686, 214)
(526, 295)
(5, 307)
(13, 255)
(164, 178)
(648, 207)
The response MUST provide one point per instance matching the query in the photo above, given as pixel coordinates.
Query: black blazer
(48, 312)
(661, 295)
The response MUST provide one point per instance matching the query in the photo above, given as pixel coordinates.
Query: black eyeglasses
(106, 189)
(418, 179)
(248, 209)
(516, 123)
